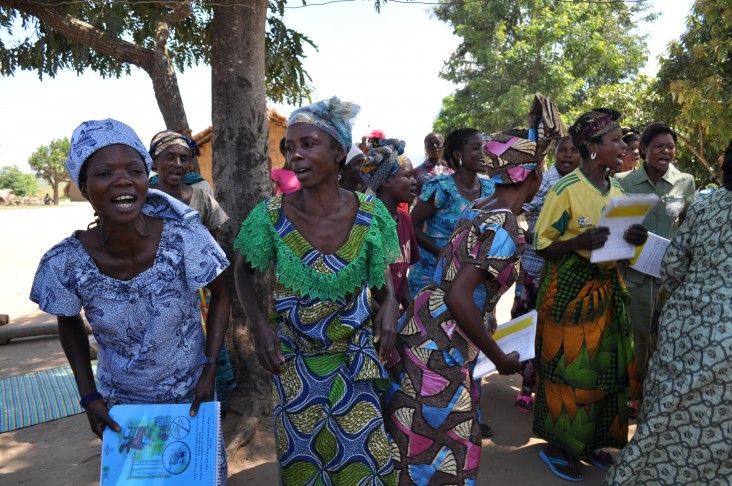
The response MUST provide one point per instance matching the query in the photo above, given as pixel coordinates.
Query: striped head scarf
(333, 116)
(93, 135)
(166, 138)
(382, 162)
(513, 154)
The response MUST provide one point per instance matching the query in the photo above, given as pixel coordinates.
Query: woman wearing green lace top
(330, 248)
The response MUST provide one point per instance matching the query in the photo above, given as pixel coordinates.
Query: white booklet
(648, 257)
(618, 215)
(162, 444)
(516, 335)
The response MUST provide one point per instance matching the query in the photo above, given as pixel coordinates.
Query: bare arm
(216, 322)
(387, 315)
(266, 342)
(75, 343)
(459, 301)
(421, 212)
(589, 240)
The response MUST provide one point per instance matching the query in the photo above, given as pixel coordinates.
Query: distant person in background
(47, 200)
(171, 154)
(191, 177)
(631, 137)
(349, 177)
(284, 180)
(683, 435)
(136, 274)
(374, 137)
(676, 192)
(433, 165)
(388, 174)
(443, 198)
(567, 159)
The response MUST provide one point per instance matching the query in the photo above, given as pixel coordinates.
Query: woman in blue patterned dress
(136, 274)
(330, 248)
(443, 199)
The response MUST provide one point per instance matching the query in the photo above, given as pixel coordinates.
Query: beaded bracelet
(87, 399)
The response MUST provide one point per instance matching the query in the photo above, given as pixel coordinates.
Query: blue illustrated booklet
(161, 445)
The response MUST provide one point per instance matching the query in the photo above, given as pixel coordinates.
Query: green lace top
(267, 236)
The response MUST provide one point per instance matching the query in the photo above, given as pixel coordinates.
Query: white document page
(516, 335)
(648, 257)
(619, 214)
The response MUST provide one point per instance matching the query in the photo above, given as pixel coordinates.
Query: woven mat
(38, 397)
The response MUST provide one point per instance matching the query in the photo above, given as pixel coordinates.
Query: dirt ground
(64, 452)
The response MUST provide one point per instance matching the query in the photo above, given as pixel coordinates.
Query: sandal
(601, 460)
(486, 431)
(556, 461)
(525, 403)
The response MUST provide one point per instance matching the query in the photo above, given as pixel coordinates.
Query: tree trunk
(55, 192)
(241, 170)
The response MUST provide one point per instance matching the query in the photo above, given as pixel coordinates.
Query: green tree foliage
(21, 183)
(511, 49)
(159, 37)
(695, 82)
(49, 162)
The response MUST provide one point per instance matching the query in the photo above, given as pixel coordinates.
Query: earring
(460, 162)
(593, 155)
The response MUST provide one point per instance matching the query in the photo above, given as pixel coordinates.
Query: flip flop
(525, 403)
(555, 461)
(595, 461)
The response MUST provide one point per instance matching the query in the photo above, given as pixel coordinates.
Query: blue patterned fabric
(530, 261)
(149, 330)
(449, 204)
(93, 135)
(333, 116)
(327, 412)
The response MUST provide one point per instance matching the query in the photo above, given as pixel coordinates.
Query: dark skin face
(567, 156)
(125, 242)
(659, 152)
(472, 154)
(351, 175)
(631, 157)
(610, 149)
(172, 164)
(313, 155)
(401, 186)
(434, 145)
(116, 183)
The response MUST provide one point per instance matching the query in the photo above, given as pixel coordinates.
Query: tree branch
(701, 158)
(85, 33)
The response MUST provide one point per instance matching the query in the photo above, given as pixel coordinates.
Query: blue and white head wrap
(93, 135)
(333, 116)
(382, 162)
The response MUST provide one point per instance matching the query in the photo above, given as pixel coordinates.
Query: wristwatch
(208, 360)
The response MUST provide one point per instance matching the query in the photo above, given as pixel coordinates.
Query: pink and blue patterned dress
(329, 427)
(432, 411)
(449, 204)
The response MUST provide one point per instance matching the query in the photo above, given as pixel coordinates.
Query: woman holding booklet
(136, 273)
(584, 352)
(432, 412)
